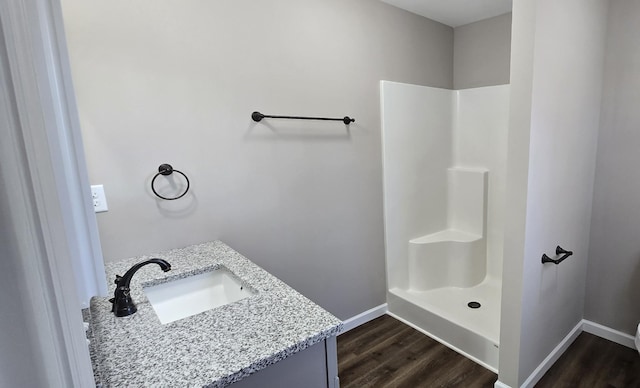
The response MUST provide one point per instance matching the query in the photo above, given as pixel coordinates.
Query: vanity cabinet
(314, 367)
(272, 337)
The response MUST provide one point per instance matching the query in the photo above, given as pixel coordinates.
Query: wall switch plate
(99, 198)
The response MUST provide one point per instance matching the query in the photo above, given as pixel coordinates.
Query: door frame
(56, 244)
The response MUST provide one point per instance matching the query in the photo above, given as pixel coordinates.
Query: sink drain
(474, 305)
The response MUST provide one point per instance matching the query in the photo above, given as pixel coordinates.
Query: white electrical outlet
(99, 199)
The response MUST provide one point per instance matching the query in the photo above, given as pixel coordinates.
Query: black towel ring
(166, 169)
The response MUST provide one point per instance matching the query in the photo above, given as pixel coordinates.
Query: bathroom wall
(482, 53)
(613, 283)
(556, 83)
(176, 82)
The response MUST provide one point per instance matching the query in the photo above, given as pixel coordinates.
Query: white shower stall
(444, 155)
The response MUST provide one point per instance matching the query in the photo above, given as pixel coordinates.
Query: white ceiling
(454, 12)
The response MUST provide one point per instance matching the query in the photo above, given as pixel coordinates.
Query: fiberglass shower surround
(444, 154)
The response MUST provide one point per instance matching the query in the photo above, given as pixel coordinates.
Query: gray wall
(613, 287)
(556, 83)
(482, 53)
(176, 82)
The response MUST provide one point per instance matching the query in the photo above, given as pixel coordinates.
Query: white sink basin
(195, 294)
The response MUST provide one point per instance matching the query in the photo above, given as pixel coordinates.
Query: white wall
(481, 53)
(19, 358)
(613, 283)
(176, 82)
(557, 64)
(480, 140)
(417, 137)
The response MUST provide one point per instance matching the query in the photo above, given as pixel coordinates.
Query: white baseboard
(555, 354)
(364, 317)
(500, 384)
(608, 333)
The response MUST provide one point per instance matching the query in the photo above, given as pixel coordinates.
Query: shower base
(444, 315)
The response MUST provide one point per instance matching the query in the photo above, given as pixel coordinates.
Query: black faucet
(122, 303)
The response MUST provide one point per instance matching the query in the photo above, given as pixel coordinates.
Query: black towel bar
(559, 251)
(257, 116)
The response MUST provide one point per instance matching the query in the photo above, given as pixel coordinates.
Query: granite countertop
(214, 348)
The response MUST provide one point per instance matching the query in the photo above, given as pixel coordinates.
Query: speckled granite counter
(211, 349)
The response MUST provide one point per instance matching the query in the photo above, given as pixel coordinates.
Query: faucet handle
(118, 278)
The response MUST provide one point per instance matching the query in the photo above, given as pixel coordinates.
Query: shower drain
(474, 305)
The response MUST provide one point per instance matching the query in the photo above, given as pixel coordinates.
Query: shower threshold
(444, 314)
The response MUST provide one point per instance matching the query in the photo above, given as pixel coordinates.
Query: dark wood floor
(387, 353)
(594, 362)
